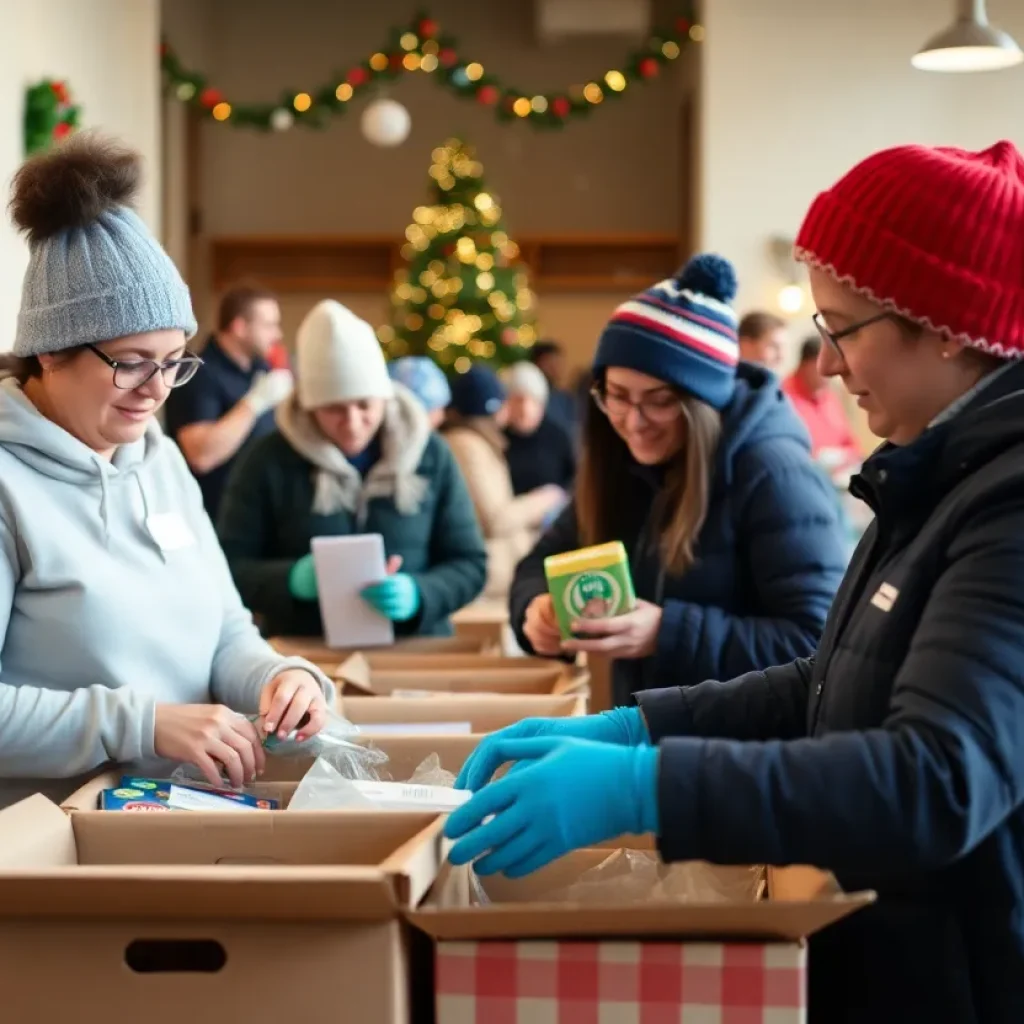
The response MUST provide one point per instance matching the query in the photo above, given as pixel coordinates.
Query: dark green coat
(266, 524)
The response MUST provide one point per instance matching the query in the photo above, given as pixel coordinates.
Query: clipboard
(344, 566)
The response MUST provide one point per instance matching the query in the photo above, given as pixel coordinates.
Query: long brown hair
(682, 505)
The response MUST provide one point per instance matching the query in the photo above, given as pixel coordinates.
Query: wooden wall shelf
(366, 264)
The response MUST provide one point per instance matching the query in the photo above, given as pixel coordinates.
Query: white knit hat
(338, 358)
(526, 379)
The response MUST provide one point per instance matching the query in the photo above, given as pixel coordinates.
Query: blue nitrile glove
(302, 579)
(571, 794)
(396, 597)
(623, 726)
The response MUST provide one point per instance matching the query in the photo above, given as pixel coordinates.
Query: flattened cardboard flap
(518, 911)
(36, 833)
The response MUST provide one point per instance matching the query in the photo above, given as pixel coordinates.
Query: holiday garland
(49, 115)
(422, 46)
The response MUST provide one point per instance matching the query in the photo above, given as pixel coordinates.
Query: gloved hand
(570, 794)
(268, 390)
(623, 726)
(396, 597)
(302, 579)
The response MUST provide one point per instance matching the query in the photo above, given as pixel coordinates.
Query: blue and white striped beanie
(681, 331)
(424, 378)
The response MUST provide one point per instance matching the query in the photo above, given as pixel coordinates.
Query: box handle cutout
(175, 956)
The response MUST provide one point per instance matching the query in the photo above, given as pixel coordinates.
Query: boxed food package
(429, 675)
(590, 583)
(170, 917)
(614, 935)
(130, 793)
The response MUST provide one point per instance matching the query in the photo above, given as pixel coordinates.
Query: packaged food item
(139, 794)
(590, 583)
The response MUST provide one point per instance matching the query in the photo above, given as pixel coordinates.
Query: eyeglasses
(136, 373)
(834, 337)
(659, 409)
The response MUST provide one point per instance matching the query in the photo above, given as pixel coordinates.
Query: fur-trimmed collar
(404, 434)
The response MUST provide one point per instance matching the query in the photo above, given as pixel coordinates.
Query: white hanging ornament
(281, 120)
(386, 122)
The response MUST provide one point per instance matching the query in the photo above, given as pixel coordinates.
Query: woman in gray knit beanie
(123, 637)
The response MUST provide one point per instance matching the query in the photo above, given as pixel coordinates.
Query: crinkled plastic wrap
(639, 876)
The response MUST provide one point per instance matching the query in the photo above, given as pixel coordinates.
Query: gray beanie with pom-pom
(95, 271)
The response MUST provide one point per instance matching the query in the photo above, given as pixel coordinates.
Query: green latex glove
(302, 579)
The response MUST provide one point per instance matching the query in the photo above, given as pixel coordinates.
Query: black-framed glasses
(663, 408)
(834, 337)
(136, 373)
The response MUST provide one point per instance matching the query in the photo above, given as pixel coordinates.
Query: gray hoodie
(114, 597)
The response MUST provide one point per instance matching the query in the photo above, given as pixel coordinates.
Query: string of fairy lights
(423, 47)
(464, 294)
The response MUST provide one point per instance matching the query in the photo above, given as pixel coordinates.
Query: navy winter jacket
(895, 757)
(769, 557)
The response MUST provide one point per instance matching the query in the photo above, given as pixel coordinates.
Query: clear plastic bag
(325, 788)
(430, 773)
(639, 876)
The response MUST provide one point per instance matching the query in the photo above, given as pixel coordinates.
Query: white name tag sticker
(170, 531)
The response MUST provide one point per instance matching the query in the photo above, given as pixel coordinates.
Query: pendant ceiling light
(969, 44)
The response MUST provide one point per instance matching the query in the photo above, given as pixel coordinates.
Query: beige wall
(107, 51)
(618, 172)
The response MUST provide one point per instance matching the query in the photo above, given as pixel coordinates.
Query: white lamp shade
(969, 44)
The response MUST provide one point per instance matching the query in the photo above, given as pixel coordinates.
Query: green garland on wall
(422, 46)
(50, 115)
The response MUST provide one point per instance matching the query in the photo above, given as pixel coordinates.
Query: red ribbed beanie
(936, 234)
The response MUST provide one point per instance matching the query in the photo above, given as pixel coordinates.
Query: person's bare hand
(211, 737)
(541, 627)
(633, 635)
(287, 699)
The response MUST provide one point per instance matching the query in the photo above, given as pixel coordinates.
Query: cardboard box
(522, 959)
(386, 675)
(315, 650)
(454, 715)
(405, 755)
(114, 918)
(485, 621)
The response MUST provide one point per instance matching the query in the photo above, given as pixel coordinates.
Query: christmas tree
(463, 295)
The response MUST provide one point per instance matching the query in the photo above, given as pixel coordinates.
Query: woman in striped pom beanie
(700, 466)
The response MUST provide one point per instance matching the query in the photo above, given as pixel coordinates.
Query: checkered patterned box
(620, 982)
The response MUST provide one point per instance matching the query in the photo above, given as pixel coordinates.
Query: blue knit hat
(477, 392)
(681, 331)
(424, 378)
(95, 271)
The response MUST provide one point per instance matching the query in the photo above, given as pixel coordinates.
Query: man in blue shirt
(233, 396)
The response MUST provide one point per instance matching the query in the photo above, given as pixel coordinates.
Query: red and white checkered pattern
(620, 983)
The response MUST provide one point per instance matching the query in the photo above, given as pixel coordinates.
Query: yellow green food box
(590, 583)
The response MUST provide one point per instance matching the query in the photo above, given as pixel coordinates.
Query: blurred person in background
(539, 451)
(124, 640)
(474, 430)
(353, 453)
(833, 445)
(893, 758)
(549, 357)
(426, 380)
(232, 399)
(763, 340)
(699, 465)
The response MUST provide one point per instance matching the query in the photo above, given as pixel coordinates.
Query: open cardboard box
(419, 715)
(328, 658)
(111, 918)
(387, 675)
(670, 960)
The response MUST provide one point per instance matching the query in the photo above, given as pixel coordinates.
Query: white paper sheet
(344, 566)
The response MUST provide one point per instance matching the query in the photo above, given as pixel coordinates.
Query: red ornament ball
(509, 336)
(648, 67)
(447, 57)
(683, 25)
(427, 28)
(395, 61)
(487, 95)
(210, 97)
(357, 76)
(61, 130)
(60, 92)
(560, 106)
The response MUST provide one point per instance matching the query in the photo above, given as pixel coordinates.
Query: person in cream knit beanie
(338, 358)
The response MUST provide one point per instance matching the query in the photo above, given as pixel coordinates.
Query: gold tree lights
(463, 296)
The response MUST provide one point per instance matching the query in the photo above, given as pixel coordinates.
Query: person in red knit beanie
(893, 757)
